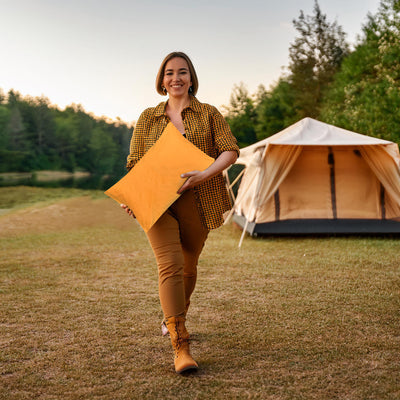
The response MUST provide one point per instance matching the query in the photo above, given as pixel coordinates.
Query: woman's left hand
(224, 160)
(194, 179)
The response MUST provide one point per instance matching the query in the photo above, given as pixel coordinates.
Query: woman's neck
(177, 104)
(174, 110)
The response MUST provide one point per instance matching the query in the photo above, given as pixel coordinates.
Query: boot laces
(180, 341)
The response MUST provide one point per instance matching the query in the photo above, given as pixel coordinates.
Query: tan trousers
(177, 240)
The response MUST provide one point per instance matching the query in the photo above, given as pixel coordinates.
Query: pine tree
(315, 56)
(241, 115)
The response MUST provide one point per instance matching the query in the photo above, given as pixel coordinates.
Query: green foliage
(275, 110)
(67, 134)
(315, 56)
(35, 135)
(103, 151)
(366, 92)
(4, 121)
(241, 115)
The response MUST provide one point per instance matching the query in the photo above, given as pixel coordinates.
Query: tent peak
(311, 132)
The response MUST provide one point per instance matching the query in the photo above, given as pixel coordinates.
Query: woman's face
(177, 78)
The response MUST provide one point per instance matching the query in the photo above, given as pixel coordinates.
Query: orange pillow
(151, 186)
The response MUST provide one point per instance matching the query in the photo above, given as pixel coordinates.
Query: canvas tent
(316, 178)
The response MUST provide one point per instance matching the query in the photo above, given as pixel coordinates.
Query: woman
(178, 237)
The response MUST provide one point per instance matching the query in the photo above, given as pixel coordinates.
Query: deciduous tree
(365, 95)
(276, 110)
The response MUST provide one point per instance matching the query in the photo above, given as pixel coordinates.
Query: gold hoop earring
(164, 90)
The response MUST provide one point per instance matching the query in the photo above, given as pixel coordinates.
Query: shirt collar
(194, 104)
(160, 109)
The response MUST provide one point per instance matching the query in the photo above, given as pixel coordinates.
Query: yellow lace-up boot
(180, 342)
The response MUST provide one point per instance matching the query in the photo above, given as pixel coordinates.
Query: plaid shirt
(206, 128)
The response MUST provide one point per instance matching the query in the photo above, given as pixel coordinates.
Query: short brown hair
(193, 75)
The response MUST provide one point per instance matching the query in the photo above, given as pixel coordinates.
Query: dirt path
(65, 215)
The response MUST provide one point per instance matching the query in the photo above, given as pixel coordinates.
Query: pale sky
(104, 54)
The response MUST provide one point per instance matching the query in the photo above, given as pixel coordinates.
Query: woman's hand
(194, 179)
(224, 160)
(128, 210)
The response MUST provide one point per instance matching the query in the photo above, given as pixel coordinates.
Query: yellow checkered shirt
(206, 128)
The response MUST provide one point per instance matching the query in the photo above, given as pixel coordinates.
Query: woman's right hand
(128, 210)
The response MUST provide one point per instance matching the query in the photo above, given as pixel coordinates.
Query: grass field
(281, 318)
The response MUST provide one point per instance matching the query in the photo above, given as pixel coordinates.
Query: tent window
(331, 162)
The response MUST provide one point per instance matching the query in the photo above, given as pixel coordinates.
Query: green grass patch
(13, 197)
(280, 318)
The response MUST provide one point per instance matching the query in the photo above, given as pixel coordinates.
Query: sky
(105, 54)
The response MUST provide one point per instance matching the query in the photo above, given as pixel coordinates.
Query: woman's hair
(193, 75)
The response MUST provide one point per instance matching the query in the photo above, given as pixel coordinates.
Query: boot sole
(187, 369)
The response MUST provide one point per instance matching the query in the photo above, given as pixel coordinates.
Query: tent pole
(231, 185)
(228, 216)
(243, 233)
(237, 178)
(228, 183)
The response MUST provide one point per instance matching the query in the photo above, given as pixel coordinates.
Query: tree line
(34, 135)
(356, 89)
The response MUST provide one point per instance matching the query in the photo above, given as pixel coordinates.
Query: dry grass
(281, 318)
(17, 197)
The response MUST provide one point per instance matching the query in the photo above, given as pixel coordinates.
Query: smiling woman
(178, 236)
(177, 82)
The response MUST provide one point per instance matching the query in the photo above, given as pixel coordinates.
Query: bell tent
(313, 177)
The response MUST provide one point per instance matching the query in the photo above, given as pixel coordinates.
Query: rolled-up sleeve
(224, 139)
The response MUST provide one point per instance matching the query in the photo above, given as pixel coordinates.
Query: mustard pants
(177, 240)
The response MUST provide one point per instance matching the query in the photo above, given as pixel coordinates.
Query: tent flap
(385, 169)
(278, 161)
